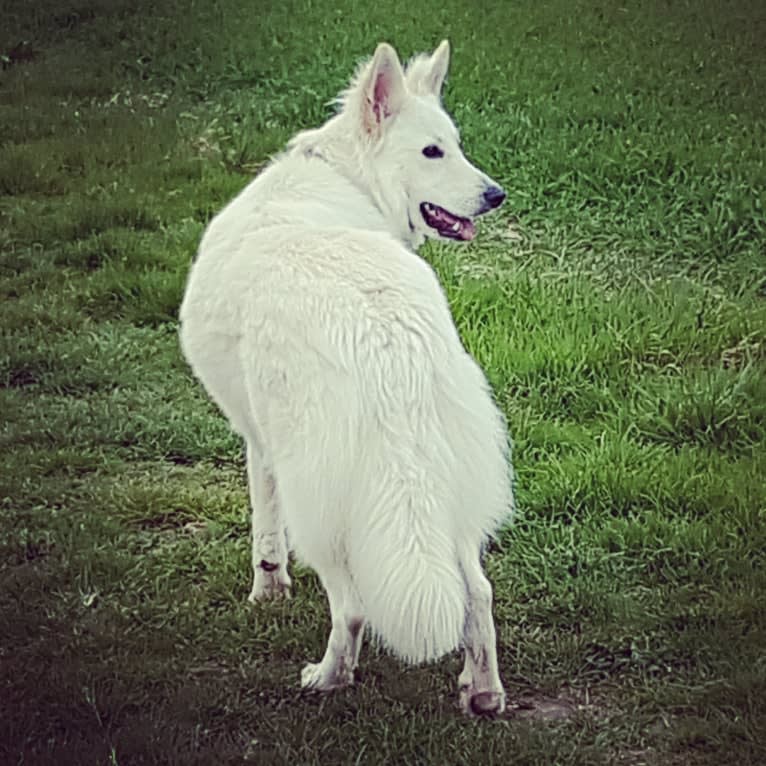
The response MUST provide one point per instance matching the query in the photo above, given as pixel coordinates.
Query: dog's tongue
(467, 229)
(464, 230)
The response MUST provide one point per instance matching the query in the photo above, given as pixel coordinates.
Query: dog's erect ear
(383, 90)
(426, 74)
(439, 66)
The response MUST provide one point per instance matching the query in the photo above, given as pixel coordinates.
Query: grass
(617, 303)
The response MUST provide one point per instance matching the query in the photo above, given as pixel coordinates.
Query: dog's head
(416, 168)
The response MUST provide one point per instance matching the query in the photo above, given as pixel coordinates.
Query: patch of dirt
(539, 707)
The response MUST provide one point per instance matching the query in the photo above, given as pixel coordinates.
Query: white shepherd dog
(374, 447)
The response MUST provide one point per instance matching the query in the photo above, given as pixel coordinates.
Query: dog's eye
(433, 152)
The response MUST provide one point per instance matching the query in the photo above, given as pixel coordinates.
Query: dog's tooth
(456, 226)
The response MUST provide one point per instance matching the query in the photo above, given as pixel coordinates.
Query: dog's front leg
(270, 576)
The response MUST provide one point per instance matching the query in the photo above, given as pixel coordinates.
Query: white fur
(372, 436)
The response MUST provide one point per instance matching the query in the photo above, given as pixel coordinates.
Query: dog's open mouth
(447, 224)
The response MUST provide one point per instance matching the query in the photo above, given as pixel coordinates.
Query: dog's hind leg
(481, 691)
(342, 654)
(270, 576)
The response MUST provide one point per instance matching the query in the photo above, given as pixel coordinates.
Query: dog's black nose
(494, 197)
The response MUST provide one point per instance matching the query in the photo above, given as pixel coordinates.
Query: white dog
(373, 443)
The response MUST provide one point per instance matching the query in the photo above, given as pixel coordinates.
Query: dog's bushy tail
(405, 568)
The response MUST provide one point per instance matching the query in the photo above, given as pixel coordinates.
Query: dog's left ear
(383, 90)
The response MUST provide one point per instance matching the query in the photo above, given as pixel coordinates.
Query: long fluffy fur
(330, 344)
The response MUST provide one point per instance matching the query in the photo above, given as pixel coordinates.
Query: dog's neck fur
(337, 143)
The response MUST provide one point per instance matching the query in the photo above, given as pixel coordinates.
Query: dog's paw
(486, 702)
(311, 676)
(316, 676)
(270, 583)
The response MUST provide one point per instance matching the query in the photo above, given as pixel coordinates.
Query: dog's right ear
(439, 64)
(383, 90)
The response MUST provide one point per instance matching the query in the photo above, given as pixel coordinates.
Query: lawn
(617, 303)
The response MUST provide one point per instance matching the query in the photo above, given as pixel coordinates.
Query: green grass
(617, 304)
